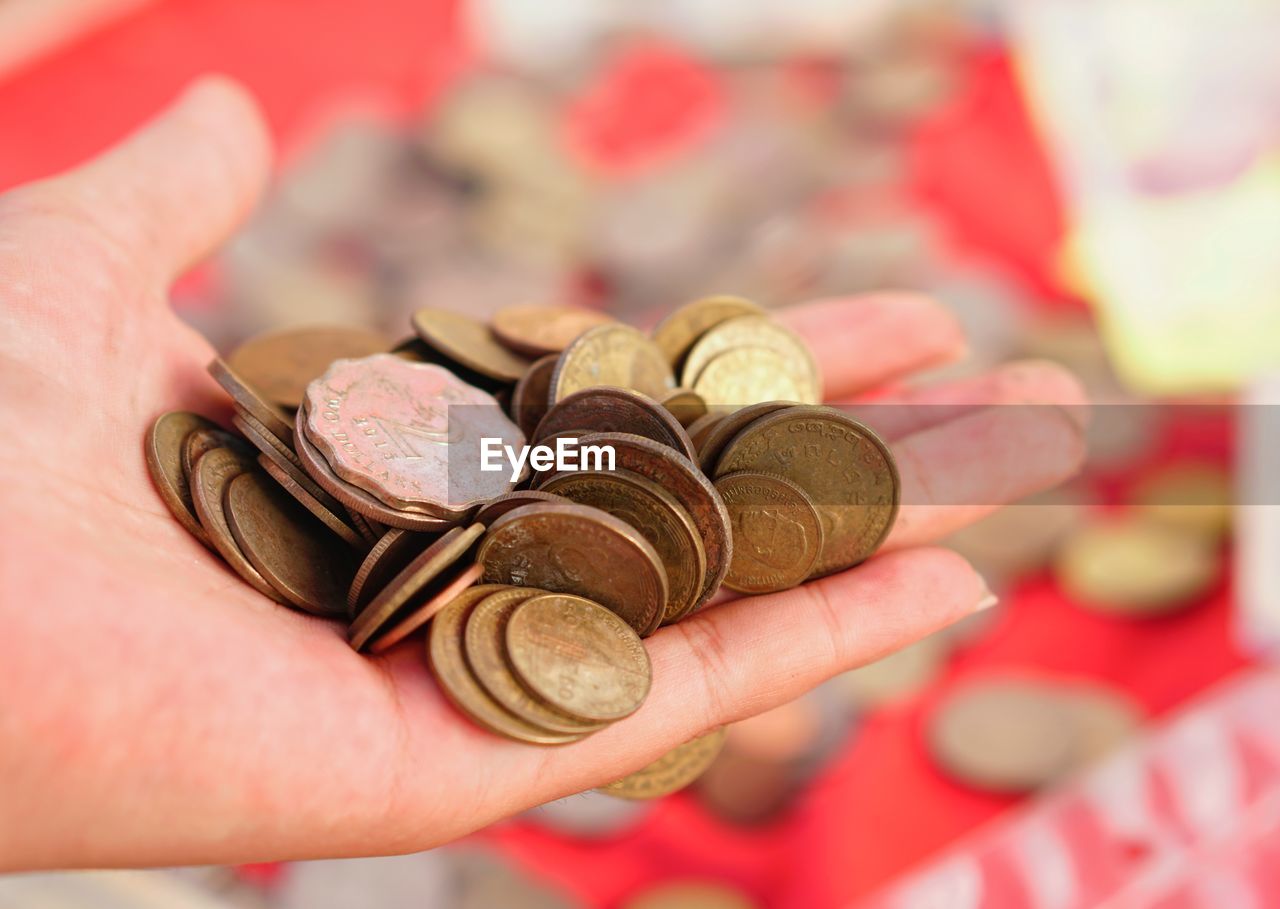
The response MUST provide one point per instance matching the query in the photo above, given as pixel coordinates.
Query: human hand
(154, 709)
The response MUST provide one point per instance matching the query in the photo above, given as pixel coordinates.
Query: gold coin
(1137, 567)
(662, 521)
(530, 400)
(731, 423)
(454, 579)
(280, 364)
(755, 331)
(163, 448)
(616, 355)
(449, 663)
(672, 772)
(485, 643)
(847, 471)
(415, 582)
(569, 548)
(469, 342)
(538, 329)
(1195, 497)
(777, 533)
(753, 375)
(685, 404)
(676, 334)
(578, 657)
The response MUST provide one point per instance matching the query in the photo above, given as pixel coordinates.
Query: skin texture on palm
(156, 710)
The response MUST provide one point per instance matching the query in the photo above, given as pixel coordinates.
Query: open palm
(154, 709)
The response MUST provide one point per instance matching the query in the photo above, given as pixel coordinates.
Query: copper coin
(676, 334)
(455, 580)
(370, 531)
(845, 468)
(388, 557)
(578, 656)
(731, 423)
(685, 404)
(568, 548)
(680, 477)
(702, 427)
(512, 500)
(606, 409)
(538, 329)
(415, 350)
(777, 532)
(529, 400)
(249, 399)
(408, 434)
(616, 355)
(662, 521)
(309, 566)
(672, 772)
(163, 446)
(214, 473)
(449, 663)
(201, 441)
(263, 439)
(418, 580)
(329, 519)
(470, 342)
(485, 643)
(280, 364)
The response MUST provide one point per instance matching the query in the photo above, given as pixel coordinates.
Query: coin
(532, 392)
(676, 334)
(616, 355)
(752, 375)
(263, 439)
(777, 533)
(754, 331)
(304, 498)
(509, 501)
(388, 557)
(249, 400)
(415, 581)
(163, 447)
(449, 663)
(415, 350)
(685, 404)
(847, 471)
(469, 342)
(730, 424)
(661, 520)
(1002, 735)
(205, 439)
(1135, 566)
(1192, 496)
(214, 472)
(672, 772)
(568, 548)
(298, 557)
(455, 580)
(538, 329)
(280, 364)
(1102, 719)
(691, 895)
(370, 531)
(406, 433)
(485, 643)
(895, 677)
(578, 657)
(680, 477)
(702, 427)
(608, 409)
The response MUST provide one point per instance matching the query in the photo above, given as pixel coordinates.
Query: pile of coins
(354, 491)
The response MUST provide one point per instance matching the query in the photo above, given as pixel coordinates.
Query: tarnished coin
(418, 580)
(1002, 735)
(529, 400)
(289, 463)
(661, 520)
(263, 439)
(251, 401)
(578, 656)
(608, 409)
(322, 513)
(511, 501)
(415, 350)
(453, 582)
(1136, 566)
(777, 533)
(672, 772)
(449, 663)
(753, 375)
(732, 422)
(847, 471)
(388, 557)
(353, 499)
(685, 404)
(755, 331)
(538, 329)
(280, 364)
(680, 477)
(470, 343)
(702, 427)
(370, 531)
(407, 433)
(485, 643)
(163, 448)
(616, 355)
(309, 566)
(676, 334)
(203, 440)
(214, 473)
(569, 548)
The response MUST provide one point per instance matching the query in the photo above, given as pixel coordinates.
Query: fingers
(861, 342)
(165, 196)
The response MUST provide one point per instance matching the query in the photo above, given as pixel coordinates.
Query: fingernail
(987, 599)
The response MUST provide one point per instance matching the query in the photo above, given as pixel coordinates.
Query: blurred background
(1095, 182)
